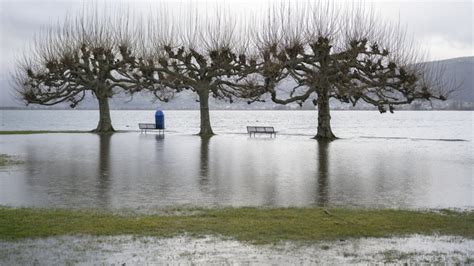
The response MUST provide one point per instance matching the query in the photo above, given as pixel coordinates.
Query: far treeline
(322, 49)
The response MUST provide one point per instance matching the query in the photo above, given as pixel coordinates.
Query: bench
(149, 126)
(262, 130)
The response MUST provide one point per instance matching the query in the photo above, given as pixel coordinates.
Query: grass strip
(27, 132)
(6, 159)
(255, 225)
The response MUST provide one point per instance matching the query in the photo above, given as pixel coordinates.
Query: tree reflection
(104, 173)
(323, 173)
(204, 161)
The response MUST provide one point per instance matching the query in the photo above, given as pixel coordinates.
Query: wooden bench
(261, 130)
(149, 126)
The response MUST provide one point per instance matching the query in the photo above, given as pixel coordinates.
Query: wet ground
(117, 250)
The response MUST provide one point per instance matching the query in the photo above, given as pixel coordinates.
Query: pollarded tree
(206, 56)
(351, 57)
(88, 54)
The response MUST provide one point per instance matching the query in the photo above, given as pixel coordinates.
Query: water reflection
(146, 171)
(323, 173)
(204, 160)
(204, 178)
(104, 173)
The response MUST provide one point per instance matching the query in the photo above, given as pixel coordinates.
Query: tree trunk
(324, 118)
(206, 129)
(105, 124)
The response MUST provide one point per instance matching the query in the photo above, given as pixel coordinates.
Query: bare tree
(204, 54)
(350, 56)
(90, 53)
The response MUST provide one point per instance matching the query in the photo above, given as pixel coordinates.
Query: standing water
(405, 160)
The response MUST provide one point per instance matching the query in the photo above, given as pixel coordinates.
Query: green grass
(26, 132)
(6, 159)
(255, 225)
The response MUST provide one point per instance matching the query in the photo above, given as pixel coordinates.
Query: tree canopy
(350, 55)
(205, 55)
(85, 54)
(325, 51)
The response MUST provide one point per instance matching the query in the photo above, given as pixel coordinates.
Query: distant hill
(462, 69)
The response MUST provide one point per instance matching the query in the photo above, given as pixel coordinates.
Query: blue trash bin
(160, 119)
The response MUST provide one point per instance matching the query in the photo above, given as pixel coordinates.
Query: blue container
(159, 119)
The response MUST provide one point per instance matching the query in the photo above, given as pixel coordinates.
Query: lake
(409, 159)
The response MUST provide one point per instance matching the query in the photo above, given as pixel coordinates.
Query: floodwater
(121, 250)
(418, 125)
(412, 160)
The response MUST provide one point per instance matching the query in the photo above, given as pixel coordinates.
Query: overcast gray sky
(444, 28)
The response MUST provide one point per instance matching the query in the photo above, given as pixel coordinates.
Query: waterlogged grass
(6, 160)
(255, 225)
(27, 132)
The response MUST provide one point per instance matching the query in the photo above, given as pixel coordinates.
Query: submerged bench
(262, 130)
(149, 126)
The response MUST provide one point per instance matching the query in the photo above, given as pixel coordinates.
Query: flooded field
(119, 250)
(409, 160)
(414, 160)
